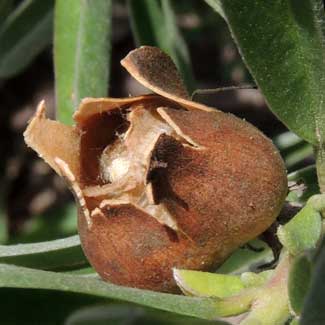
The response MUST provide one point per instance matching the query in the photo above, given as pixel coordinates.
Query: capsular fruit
(161, 181)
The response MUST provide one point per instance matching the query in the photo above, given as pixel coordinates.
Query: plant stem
(271, 306)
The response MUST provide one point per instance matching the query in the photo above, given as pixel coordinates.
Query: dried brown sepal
(66, 140)
(161, 181)
(155, 70)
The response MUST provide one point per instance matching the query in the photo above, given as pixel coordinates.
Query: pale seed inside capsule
(124, 164)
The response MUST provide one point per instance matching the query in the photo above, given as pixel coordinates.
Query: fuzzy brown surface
(222, 195)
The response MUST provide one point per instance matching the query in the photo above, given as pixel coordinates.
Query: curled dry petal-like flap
(156, 71)
(51, 139)
(92, 106)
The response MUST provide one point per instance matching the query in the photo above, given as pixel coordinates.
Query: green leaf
(154, 23)
(81, 53)
(3, 226)
(145, 16)
(245, 259)
(299, 282)
(20, 277)
(286, 140)
(217, 6)
(205, 284)
(3, 221)
(293, 149)
(313, 311)
(283, 45)
(58, 254)
(306, 174)
(25, 33)
(320, 153)
(5, 8)
(303, 232)
(297, 154)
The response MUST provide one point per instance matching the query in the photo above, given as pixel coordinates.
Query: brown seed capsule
(161, 181)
